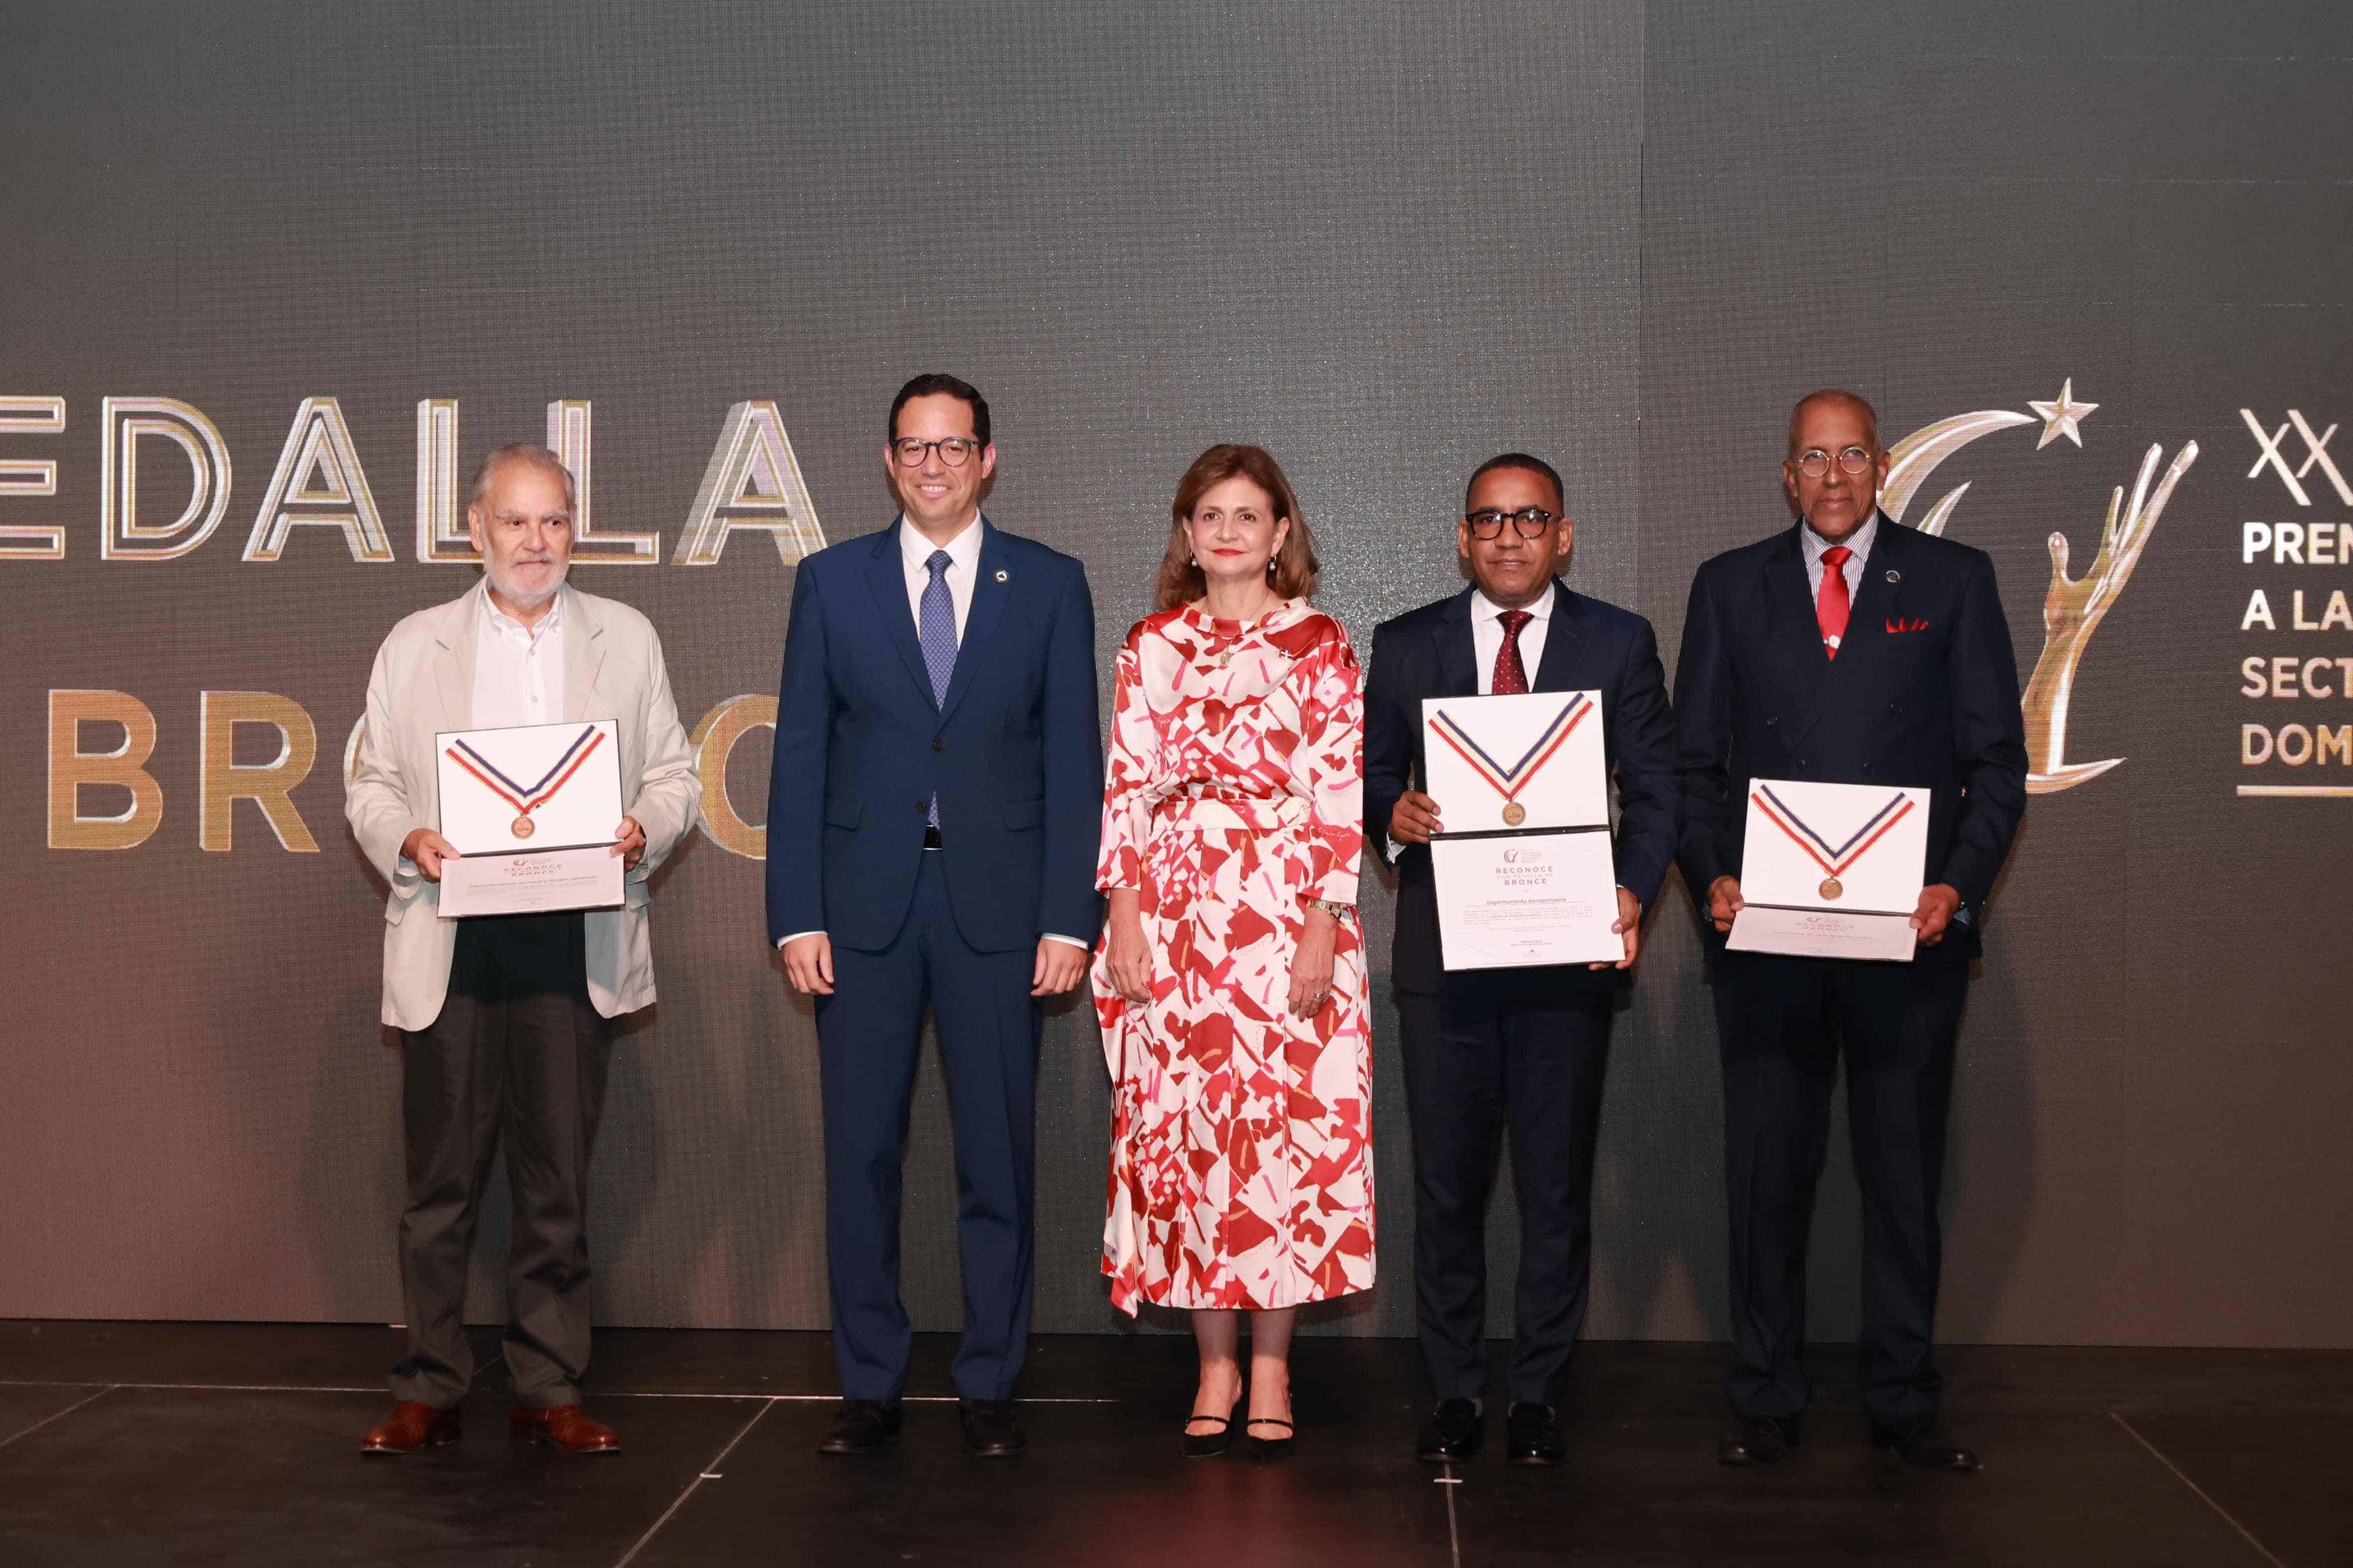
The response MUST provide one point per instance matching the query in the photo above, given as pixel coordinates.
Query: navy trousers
(1783, 1023)
(1478, 1059)
(868, 1036)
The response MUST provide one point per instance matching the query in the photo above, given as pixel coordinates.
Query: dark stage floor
(237, 1445)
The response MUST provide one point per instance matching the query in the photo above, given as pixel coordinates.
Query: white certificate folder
(1831, 871)
(530, 810)
(1524, 871)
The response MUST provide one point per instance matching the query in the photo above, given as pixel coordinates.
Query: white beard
(513, 593)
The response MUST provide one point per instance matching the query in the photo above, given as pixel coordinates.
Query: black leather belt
(931, 839)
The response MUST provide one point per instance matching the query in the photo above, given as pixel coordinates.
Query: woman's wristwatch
(1337, 911)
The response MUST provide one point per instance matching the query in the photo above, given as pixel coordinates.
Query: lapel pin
(1894, 575)
(1004, 576)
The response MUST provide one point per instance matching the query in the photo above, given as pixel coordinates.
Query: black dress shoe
(1210, 1444)
(860, 1427)
(991, 1430)
(1452, 1434)
(1924, 1443)
(1535, 1435)
(1267, 1450)
(1758, 1440)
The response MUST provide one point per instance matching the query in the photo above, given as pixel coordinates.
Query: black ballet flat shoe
(1210, 1444)
(1267, 1450)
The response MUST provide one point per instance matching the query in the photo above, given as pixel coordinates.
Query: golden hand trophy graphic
(2073, 607)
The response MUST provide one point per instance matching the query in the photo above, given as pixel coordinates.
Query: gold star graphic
(2062, 416)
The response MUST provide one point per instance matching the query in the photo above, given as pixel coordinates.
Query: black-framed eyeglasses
(1817, 462)
(955, 451)
(1529, 522)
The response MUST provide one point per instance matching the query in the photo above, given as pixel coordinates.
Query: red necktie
(1831, 603)
(1510, 675)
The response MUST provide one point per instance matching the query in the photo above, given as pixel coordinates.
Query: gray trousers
(517, 1051)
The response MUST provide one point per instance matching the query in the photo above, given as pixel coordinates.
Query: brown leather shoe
(566, 1428)
(412, 1427)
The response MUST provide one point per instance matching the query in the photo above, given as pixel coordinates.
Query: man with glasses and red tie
(1523, 1048)
(1845, 649)
(933, 810)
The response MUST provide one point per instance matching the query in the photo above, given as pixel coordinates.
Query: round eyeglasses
(1817, 462)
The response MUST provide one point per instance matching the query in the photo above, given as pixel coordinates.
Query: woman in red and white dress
(1231, 983)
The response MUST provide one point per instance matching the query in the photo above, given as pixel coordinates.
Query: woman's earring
(1269, 568)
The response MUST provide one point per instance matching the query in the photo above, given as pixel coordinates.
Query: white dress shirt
(517, 670)
(964, 569)
(1487, 637)
(1816, 546)
(964, 565)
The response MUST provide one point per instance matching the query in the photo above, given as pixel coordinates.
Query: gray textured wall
(1384, 243)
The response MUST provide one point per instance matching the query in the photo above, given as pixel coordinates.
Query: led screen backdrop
(276, 276)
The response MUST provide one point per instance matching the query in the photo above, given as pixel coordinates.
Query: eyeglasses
(1530, 521)
(955, 451)
(1817, 463)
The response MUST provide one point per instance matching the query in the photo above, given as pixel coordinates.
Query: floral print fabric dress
(1242, 1135)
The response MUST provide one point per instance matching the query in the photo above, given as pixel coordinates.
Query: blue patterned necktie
(936, 631)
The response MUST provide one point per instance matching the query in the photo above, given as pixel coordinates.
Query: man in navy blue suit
(934, 813)
(1525, 1049)
(1850, 650)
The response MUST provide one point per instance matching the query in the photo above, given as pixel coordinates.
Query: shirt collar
(1484, 608)
(501, 624)
(964, 549)
(1859, 541)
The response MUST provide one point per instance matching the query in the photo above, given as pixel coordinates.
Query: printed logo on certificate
(531, 811)
(1530, 761)
(1831, 871)
(1523, 869)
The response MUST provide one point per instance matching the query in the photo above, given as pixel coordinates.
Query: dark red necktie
(1510, 675)
(1831, 603)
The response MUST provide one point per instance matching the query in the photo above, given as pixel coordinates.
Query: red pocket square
(1906, 626)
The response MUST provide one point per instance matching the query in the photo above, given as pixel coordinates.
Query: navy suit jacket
(1015, 752)
(1589, 645)
(1924, 692)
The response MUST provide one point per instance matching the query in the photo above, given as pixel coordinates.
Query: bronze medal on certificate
(1509, 781)
(526, 798)
(1834, 860)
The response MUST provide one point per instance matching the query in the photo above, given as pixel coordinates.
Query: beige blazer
(423, 683)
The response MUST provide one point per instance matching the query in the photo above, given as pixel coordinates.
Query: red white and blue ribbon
(527, 798)
(1509, 781)
(1833, 859)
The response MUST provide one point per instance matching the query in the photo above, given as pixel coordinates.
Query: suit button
(939, 743)
(1772, 717)
(1866, 767)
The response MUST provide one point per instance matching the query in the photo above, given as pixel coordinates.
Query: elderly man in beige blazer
(506, 1022)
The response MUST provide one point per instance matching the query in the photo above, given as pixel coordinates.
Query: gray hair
(531, 452)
